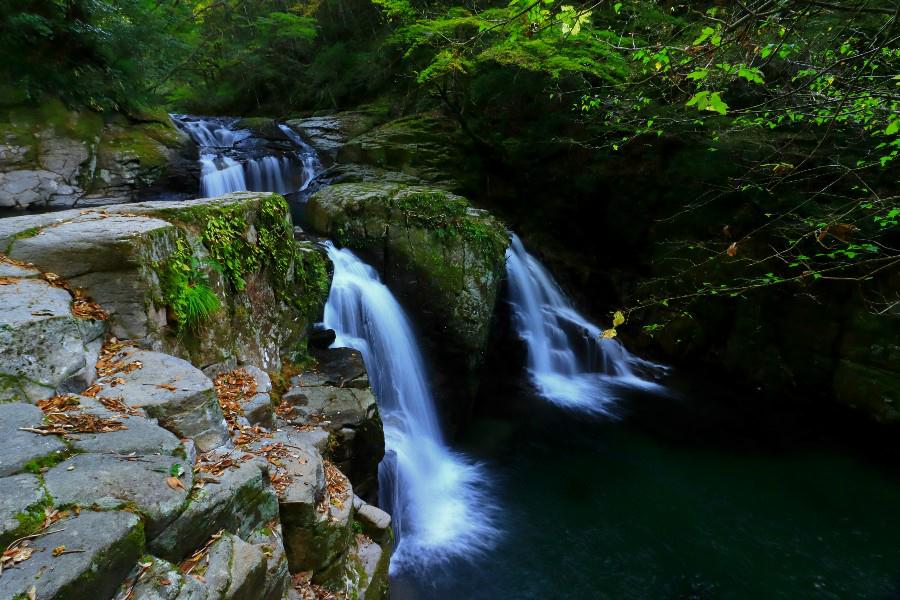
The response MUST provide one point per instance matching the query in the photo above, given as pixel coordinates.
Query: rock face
(50, 156)
(22, 447)
(141, 261)
(443, 259)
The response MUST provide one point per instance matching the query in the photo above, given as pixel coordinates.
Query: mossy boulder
(146, 264)
(443, 259)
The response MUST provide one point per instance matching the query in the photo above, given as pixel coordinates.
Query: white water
(436, 497)
(225, 168)
(569, 362)
(309, 158)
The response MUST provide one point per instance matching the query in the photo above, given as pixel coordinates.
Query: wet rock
(109, 543)
(21, 447)
(368, 566)
(109, 481)
(375, 522)
(48, 349)
(172, 391)
(321, 338)
(241, 501)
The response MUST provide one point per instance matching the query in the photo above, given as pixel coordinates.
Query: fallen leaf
(732, 249)
(32, 593)
(166, 386)
(609, 334)
(59, 550)
(174, 483)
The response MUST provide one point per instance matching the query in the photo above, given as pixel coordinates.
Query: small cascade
(220, 175)
(436, 497)
(569, 361)
(309, 158)
(233, 160)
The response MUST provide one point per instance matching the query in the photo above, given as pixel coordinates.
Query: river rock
(172, 391)
(109, 543)
(242, 501)
(278, 578)
(47, 348)
(21, 447)
(110, 481)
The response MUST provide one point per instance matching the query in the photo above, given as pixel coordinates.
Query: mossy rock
(443, 259)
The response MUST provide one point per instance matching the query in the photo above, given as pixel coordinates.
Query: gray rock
(237, 570)
(143, 436)
(20, 447)
(375, 522)
(242, 501)
(47, 347)
(11, 270)
(111, 543)
(368, 567)
(25, 187)
(18, 494)
(278, 578)
(108, 482)
(259, 411)
(172, 391)
(263, 381)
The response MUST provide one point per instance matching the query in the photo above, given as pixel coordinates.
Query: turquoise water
(618, 511)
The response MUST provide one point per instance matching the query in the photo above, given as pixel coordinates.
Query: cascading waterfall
(436, 497)
(569, 361)
(230, 160)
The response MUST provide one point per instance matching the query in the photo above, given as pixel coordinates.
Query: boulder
(107, 544)
(170, 390)
(258, 409)
(108, 482)
(278, 578)
(131, 258)
(240, 500)
(48, 349)
(23, 450)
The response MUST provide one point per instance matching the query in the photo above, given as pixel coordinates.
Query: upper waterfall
(436, 497)
(569, 361)
(233, 159)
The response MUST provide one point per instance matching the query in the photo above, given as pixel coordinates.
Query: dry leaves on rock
(233, 388)
(336, 485)
(65, 424)
(82, 306)
(199, 559)
(307, 590)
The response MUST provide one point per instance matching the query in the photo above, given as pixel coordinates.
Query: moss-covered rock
(148, 263)
(50, 155)
(443, 259)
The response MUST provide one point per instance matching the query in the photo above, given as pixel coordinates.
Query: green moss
(95, 580)
(24, 234)
(185, 287)
(30, 520)
(41, 464)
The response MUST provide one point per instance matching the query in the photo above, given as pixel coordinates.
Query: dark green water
(618, 511)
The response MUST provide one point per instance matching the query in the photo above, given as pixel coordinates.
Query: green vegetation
(185, 286)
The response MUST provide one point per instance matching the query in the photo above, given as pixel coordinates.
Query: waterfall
(309, 158)
(569, 361)
(436, 497)
(220, 175)
(230, 158)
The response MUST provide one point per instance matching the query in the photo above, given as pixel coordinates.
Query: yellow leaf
(609, 334)
(59, 550)
(658, 66)
(618, 318)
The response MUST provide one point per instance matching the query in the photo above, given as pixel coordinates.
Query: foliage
(186, 289)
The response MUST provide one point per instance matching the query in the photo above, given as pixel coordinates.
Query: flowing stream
(436, 497)
(233, 159)
(569, 361)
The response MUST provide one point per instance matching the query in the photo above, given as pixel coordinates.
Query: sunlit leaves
(709, 101)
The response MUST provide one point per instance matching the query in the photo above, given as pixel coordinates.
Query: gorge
(370, 299)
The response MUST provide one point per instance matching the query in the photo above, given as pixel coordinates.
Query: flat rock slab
(21, 447)
(45, 345)
(142, 436)
(172, 391)
(111, 542)
(17, 494)
(108, 482)
(242, 501)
